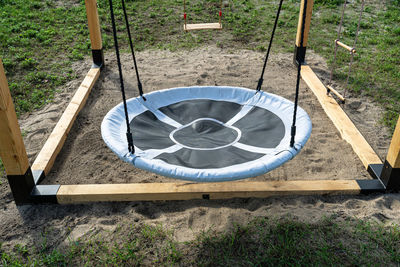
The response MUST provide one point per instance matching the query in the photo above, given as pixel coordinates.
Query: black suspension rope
(261, 80)
(121, 80)
(293, 129)
(140, 87)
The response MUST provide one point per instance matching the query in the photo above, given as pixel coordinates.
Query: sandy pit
(85, 159)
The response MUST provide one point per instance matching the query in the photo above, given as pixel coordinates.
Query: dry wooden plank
(12, 148)
(345, 126)
(68, 194)
(47, 155)
(310, 4)
(93, 23)
(350, 49)
(336, 93)
(202, 26)
(4, 90)
(393, 156)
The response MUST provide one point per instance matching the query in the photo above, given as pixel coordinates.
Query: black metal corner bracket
(389, 176)
(45, 194)
(299, 55)
(98, 58)
(38, 176)
(375, 170)
(21, 187)
(370, 186)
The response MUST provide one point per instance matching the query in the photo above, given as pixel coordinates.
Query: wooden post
(12, 148)
(300, 50)
(391, 168)
(95, 33)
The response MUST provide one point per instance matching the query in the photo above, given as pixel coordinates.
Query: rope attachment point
(293, 134)
(141, 90)
(260, 82)
(129, 137)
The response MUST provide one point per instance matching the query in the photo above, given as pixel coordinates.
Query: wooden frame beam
(342, 122)
(47, 155)
(71, 194)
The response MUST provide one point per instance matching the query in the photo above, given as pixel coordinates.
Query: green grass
(126, 246)
(39, 40)
(38, 43)
(262, 242)
(287, 242)
(376, 68)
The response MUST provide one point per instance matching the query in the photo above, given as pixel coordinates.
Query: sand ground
(86, 159)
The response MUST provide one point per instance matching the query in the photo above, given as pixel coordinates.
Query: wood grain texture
(393, 156)
(94, 24)
(68, 194)
(345, 126)
(310, 4)
(12, 148)
(4, 90)
(47, 155)
(202, 26)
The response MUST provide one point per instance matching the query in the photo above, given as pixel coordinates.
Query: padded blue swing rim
(113, 130)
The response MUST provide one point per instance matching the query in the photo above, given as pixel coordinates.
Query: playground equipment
(202, 26)
(205, 134)
(351, 49)
(25, 180)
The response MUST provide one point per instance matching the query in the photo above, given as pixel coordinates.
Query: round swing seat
(207, 134)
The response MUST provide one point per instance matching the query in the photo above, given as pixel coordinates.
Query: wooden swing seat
(202, 26)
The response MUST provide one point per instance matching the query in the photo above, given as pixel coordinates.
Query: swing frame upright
(25, 179)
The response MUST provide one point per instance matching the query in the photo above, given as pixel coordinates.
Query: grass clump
(39, 41)
(262, 242)
(268, 242)
(126, 246)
